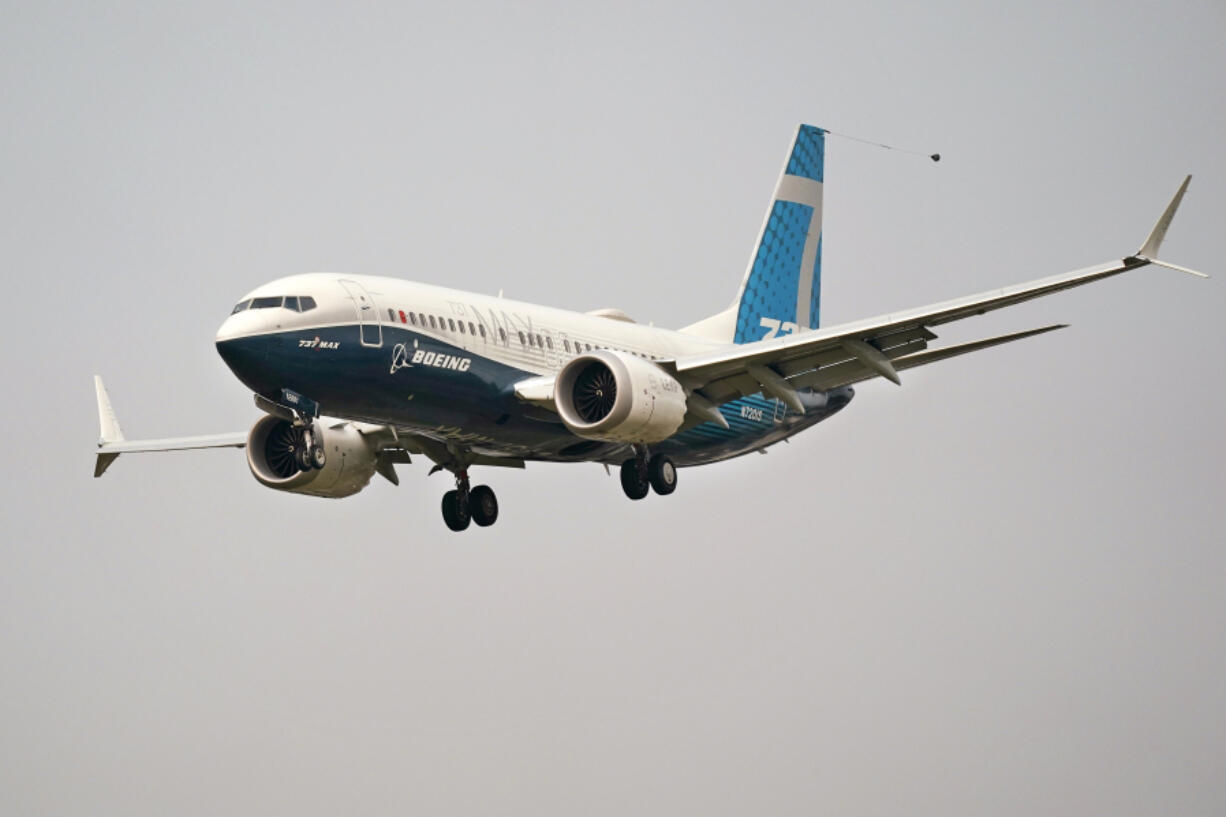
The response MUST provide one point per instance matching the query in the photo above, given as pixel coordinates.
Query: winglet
(1149, 250)
(109, 430)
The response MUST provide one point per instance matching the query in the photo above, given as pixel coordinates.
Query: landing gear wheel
(302, 456)
(634, 479)
(662, 474)
(483, 505)
(455, 512)
(318, 458)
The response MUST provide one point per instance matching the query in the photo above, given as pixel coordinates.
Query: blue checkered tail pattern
(781, 292)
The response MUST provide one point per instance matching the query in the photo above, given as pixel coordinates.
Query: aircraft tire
(302, 456)
(662, 474)
(318, 458)
(634, 481)
(483, 505)
(455, 513)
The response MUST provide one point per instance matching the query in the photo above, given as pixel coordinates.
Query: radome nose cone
(226, 331)
(246, 357)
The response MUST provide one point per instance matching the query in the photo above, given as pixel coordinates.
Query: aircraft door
(370, 328)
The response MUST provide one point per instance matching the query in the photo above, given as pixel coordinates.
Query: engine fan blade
(279, 450)
(595, 393)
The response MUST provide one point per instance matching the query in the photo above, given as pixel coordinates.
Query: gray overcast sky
(995, 590)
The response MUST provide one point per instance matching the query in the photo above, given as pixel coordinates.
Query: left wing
(880, 346)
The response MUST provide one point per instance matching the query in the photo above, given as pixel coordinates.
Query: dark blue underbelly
(441, 390)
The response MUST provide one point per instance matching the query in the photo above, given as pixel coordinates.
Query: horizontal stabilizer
(934, 355)
(845, 374)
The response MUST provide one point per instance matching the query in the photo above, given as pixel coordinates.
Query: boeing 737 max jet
(355, 373)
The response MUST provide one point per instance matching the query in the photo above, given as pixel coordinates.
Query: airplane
(355, 374)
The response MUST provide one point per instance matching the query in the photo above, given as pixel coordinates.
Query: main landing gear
(641, 474)
(464, 504)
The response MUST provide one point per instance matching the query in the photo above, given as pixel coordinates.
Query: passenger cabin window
(522, 340)
(239, 307)
(413, 319)
(472, 330)
(451, 323)
(502, 333)
(549, 342)
(566, 344)
(461, 327)
(391, 315)
(432, 326)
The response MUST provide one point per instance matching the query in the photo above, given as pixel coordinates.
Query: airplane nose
(243, 350)
(227, 330)
(246, 357)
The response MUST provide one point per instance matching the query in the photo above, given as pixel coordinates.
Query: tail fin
(781, 291)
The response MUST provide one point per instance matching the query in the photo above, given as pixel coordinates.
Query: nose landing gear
(308, 453)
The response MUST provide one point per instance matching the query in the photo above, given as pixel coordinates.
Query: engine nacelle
(348, 467)
(616, 397)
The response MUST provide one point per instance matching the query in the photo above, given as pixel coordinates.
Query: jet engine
(272, 447)
(617, 397)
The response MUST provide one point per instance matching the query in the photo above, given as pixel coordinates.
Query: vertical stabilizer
(781, 290)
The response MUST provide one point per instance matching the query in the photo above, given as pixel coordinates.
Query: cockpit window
(298, 303)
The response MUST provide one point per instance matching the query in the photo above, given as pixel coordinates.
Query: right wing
(111, 443)
(390, 446)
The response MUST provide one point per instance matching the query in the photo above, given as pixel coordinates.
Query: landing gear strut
(642, 474)
(465, 504)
